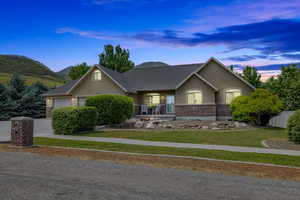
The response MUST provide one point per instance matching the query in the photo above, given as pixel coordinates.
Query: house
(195, 91)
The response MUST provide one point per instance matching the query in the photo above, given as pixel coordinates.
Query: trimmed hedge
(71, 120)
(293, 127)
(112, 109)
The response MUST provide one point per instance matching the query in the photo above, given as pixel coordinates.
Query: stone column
(22, 131)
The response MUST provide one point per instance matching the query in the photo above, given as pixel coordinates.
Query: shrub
(293, 127)
(71, 120)
(112, 109)
(257, 108)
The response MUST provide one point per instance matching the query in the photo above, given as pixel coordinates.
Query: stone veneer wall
(195, 110)
(223, 110)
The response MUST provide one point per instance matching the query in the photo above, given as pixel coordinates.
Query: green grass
(48, 81)
(215, 154)
(249, 138)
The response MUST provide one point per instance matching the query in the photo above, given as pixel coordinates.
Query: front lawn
(249, 138)
(215, 154)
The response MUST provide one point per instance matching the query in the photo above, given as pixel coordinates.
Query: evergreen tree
(33, 103)
(250, 74)
(16, 88)
(4, 112)
(116, 58)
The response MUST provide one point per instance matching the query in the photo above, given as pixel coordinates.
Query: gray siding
(223, 79)
(194, 83)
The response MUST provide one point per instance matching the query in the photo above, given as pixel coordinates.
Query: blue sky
(61, 33)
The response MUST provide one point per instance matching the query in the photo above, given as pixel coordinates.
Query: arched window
(230, 94)
(97, 75)
(194, 97)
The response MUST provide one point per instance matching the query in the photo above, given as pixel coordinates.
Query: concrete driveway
(42, 127)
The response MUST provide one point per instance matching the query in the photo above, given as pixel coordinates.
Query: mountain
(30, 69)
(64, 72)
(151, 64)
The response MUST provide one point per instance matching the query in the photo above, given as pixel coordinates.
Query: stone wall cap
(21, 118)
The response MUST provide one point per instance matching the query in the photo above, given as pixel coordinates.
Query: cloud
(239, 12)
(269, 38)
(243, 58)
(291, 56)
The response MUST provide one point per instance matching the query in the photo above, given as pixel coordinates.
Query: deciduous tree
(250, 74)
(116, 58)
(78, 71)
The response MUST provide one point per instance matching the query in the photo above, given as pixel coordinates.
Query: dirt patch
(282, 143)
(263, 171)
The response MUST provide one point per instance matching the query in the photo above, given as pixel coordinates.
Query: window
(153, 99)
(230, 94)
(194, 97)
(97, 75)
(49, 102)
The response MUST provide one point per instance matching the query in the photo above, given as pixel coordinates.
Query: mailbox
(22, 131)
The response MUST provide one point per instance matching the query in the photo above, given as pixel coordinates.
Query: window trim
(97, 75)
(231, 89)
(194, 91)
(151, 95)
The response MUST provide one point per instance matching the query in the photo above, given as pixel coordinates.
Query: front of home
(197, 91)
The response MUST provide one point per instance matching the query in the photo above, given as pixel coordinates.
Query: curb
(174, 156)
(265, 144)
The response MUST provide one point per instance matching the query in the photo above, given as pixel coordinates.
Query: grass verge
(215, 154)
(249, 138)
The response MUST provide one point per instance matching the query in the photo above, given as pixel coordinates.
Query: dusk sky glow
(60, 33)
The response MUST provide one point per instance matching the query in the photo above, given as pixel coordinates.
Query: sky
(60, 33)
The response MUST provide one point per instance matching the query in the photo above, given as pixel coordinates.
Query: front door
(170, 104)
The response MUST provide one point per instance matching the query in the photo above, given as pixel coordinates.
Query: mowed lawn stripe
(214, 154)
(248, 138)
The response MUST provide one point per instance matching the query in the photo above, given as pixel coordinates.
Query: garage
(61, 102)
(81, 101)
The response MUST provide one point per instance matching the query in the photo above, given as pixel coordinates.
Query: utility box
(22, 131)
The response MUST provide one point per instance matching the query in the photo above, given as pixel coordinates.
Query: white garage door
(58, 103)
(81, 101)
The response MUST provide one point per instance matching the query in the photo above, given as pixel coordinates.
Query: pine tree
(32, 103)
(4, 112)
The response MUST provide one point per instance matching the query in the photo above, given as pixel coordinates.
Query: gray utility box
(22, 131)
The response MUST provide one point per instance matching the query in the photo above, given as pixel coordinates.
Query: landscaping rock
(149, 125)
(155, 123)
(139, 124)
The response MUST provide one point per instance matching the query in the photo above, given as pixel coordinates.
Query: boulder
(139, 124)
(150, 125)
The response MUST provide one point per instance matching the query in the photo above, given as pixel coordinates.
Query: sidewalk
(179, 145)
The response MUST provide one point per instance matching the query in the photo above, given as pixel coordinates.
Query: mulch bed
(263, 171)
(282, 143)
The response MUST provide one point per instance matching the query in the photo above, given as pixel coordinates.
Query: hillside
(64, 72)
(151, 64)
(29, 69)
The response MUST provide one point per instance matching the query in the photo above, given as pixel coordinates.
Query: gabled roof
(169, 77)
(62, 90)
(158, 78)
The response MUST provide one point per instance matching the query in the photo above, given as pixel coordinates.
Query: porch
(155, 104)
(155, 111)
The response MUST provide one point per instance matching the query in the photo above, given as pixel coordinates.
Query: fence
(281, 119)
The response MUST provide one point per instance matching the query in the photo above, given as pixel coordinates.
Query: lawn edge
(174, 156)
